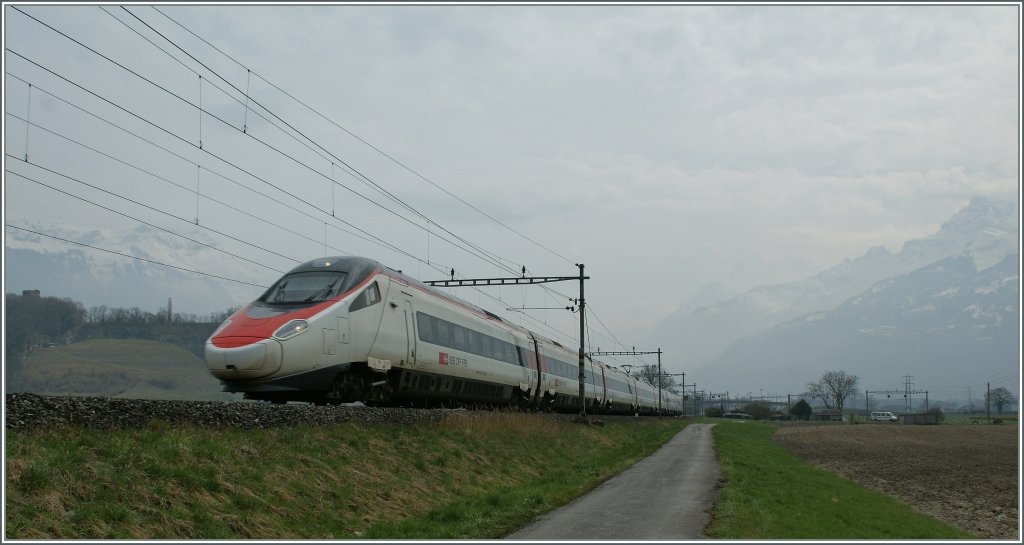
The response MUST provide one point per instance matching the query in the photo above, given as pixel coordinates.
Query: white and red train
(344, 329)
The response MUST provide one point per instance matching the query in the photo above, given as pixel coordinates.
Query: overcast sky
(665, 147)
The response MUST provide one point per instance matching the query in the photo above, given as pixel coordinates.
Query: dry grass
(966, 476)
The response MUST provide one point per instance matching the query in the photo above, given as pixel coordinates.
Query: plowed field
(966, 476)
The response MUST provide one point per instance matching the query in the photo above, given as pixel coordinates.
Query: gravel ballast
(31, 411)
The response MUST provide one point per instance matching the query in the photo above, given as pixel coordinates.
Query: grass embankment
(472, 477)
(770, 494)
(121, 367)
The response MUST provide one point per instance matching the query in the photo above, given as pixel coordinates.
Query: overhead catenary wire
(490, 255)
(433, 265)
(246, 95)
(182, 158)
(250, 72)
(192, 144)
(221, 120)
(133, 256)
(171, 182)
(207, 151)
(144, 222)
(363, 141)
(201, 111)
(154, 209)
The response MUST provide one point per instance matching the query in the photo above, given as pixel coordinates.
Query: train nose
(236, 358)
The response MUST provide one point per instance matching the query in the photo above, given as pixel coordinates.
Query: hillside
(985, 231)
(121, 368)
(945, 320)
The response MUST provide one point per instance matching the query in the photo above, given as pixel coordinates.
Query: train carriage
(344, 329)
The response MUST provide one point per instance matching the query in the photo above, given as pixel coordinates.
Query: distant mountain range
(94, 278)
(883, 313)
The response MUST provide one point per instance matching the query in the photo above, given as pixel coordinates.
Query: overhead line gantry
(522, 280)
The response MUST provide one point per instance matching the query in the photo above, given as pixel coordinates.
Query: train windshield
(304, 287)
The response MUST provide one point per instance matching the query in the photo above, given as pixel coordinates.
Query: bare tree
(1000, 397)
(833, 388)
(649, 373)
(817, 390)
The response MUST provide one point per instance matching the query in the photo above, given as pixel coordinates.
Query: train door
(534, 362)
(410, 328)
(603, 388)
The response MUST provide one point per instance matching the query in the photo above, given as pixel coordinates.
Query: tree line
(34, 322)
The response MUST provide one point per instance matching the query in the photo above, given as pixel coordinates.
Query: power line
(212, 247)
(200, 148)
(321, 115)
(215, 156)
(360, 139)
(487, 255)
(175, 184)
(183, 158)
(434, 266)
(133, 201)
(132, 256)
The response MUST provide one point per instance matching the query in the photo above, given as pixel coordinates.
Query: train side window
(443, 338)
(423, 323)
(369, 297)
(459, 340)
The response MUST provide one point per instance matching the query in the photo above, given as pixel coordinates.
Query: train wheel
(520, 400)
(348, 388)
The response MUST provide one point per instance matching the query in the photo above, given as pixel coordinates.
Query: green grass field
(472, 477)
(770, 494)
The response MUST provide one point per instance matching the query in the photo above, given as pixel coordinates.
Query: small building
(33, 294)
(827, 415)
(928, 419)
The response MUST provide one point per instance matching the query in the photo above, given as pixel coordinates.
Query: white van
(883, 417)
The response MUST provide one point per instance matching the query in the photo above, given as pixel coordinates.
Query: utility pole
(583, 315)
(533, 280)
(988, 402)
(907, 393)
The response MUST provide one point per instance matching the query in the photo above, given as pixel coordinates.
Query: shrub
(801, 409)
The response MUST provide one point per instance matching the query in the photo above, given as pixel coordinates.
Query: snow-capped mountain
(985, 231)
(93, 277)
(943, 323)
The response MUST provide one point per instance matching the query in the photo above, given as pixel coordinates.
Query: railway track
(31, 411)
(27, 412)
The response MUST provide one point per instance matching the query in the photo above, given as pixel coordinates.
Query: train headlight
(291, 329)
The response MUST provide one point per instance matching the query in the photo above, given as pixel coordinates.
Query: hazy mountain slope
(96, 278)
(943, 323)
(984, 230)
